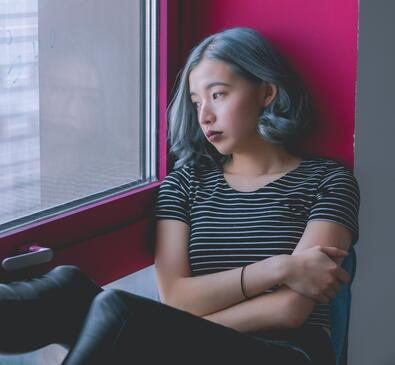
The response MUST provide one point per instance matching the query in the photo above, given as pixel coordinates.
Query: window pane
(72, 102)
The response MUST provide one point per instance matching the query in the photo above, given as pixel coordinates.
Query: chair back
(340, 312)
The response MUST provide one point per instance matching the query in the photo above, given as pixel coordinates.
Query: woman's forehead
(209, 71)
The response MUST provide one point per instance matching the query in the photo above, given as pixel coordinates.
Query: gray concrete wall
(371, 336)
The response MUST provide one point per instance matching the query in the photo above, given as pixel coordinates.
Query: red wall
(320, 39)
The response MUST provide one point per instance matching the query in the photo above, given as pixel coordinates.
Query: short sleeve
(337, 200)
(173, 198)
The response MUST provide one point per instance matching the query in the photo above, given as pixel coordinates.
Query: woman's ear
(268, 93)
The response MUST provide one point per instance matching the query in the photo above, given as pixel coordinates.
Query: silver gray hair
(287, 118)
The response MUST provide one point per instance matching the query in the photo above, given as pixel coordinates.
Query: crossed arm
(311, 274)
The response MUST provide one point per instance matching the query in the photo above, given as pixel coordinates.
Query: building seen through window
(72, 103)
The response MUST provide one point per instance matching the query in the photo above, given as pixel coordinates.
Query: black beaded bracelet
(242, 283)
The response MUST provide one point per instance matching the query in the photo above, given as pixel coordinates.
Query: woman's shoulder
(331, 169)
(178, 177)
(189, 178)
(327, 165)
(192, 172)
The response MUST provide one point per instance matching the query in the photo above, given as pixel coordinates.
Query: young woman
(250, 234)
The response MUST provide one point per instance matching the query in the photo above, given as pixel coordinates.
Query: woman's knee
(71, 277)
(114, 300)
(67, 273)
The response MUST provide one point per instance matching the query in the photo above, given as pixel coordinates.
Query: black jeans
(116, 327)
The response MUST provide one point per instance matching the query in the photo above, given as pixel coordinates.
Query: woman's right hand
(316, 272)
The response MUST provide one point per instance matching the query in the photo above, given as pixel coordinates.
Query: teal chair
(340, 312)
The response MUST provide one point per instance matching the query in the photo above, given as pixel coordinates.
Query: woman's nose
(206, 115)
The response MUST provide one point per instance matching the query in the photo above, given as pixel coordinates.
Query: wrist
(284, 268)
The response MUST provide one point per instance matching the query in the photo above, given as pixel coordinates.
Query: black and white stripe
(230, 229)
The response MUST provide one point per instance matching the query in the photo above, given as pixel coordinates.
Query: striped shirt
(230, 229)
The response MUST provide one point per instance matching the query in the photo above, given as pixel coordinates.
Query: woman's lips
(213, 135)
(210, 133)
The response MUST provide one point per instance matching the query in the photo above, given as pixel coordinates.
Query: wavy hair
(287, 118)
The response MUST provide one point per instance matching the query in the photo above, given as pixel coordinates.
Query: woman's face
(227, 103)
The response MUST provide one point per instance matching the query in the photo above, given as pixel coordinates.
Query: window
(78, 103)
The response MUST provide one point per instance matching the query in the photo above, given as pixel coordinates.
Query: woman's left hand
(316, 273)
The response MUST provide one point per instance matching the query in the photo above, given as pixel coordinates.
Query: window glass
(73, 121)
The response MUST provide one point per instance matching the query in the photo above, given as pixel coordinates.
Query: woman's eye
(216, 95)
(195, 105)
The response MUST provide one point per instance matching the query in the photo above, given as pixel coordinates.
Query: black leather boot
(44, 310)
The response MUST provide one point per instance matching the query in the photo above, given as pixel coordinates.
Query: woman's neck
(270, 160)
